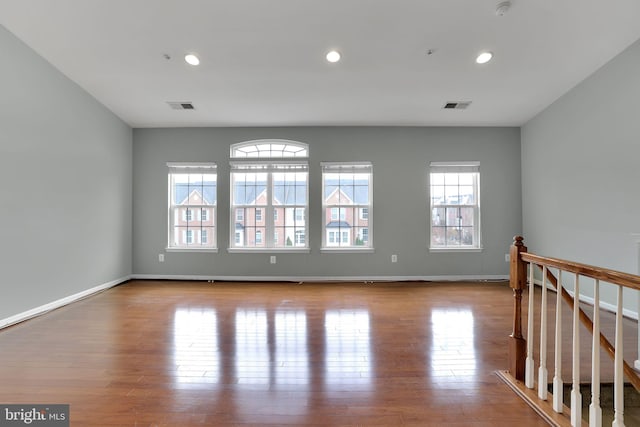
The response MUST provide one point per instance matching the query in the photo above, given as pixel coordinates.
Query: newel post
(518, 282)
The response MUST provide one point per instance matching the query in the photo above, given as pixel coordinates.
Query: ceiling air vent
(460, 105)
(181, 105)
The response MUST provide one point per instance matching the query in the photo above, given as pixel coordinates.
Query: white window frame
(471, 167)
(337, 211)
(189, 212)
(269, 157)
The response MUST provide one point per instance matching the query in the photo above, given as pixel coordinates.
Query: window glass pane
(466, 195)
(249, 216)
(438, 236)
(210, 236)
(453, 237)
(451, 195)
(451, 179)
(466, 235)
(289, 188)
(192, 211)
(344, 195)
(452, 217)
(466, 178)
(437, 179)
(180, 189)
(346, 179)
(437, 195)
(438, 216)
(454, 226)
(466, 217)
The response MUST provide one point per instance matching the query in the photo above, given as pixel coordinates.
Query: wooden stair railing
(521, 370)
(630, 373)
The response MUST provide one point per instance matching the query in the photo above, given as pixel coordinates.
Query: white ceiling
(263, 61)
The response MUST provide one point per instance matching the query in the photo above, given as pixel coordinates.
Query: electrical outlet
(272, 260)
(507, 258)
(394, 258)
(160, 257)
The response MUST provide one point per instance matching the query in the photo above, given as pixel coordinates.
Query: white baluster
(576, 397)
(543, 375)
(529, 363)
(557, 378)
(595, 411)
(618, 378)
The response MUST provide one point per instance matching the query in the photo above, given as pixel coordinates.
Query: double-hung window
(192, 206)
(455, 205)
(347, 203)
(269, 196)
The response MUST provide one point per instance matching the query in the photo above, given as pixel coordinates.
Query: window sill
(455, 250)
(268, 251)
(201, 250)
(347, 250)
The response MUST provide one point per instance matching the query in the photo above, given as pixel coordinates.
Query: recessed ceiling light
(192, 59)
(484, 57)
(333, 56)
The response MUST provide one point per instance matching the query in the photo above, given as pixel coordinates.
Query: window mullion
(268, 221)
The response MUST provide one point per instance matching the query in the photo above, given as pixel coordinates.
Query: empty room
(230, 213)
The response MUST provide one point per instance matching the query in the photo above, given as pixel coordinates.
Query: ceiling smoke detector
(503, 8)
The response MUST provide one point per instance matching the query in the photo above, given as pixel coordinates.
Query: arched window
(269, 196)
(269, 148)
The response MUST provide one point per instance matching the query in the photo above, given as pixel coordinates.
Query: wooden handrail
(631, 374)
(607, 275)
(518, 265)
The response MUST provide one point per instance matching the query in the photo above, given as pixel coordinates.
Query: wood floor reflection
(150, 353)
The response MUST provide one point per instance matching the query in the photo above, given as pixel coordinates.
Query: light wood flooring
(154, 353)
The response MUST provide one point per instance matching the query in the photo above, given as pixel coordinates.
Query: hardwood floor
(152, 353)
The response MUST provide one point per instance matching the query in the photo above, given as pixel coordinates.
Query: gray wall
(65, 185)
(580, 170)
(400, 207)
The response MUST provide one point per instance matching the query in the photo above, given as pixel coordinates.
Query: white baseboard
(589, 300)
(321, 278)
(26, 315)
